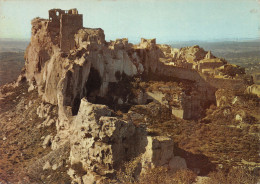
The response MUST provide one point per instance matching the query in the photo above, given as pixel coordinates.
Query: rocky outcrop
(159, 152)
(254, 89)
(53, 72)
(88, 70)
(194, 53)
(100, 144)
(186, 102)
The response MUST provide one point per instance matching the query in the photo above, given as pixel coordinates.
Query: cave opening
(76, 104)
(123, 94)
(93, 85)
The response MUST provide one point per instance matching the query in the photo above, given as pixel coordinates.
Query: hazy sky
(166, 20)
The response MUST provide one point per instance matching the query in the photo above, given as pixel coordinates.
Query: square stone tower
(63, 24)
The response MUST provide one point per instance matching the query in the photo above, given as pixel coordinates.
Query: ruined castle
(62, 25)
(93, 105)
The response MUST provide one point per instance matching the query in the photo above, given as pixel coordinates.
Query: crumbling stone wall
(70, 24)
(62, 26)
(147, 42)
(54, 25)
(210, 64)
(235, 84)
(55, 15)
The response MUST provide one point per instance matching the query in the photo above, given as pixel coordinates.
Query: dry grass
(158, 175)
(239, 175)
(218, 136)
(161, 175)
(126, 175)
(23, 144)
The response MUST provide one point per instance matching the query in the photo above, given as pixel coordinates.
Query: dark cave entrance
(93, 85)
(76, 104)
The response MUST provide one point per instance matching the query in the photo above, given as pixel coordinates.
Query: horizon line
(169, 41)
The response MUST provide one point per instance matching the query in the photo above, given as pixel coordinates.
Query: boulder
(159, 151)
(47, 141)
(177, 163)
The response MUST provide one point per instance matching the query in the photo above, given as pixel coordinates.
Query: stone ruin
(62, 25)
(92, 70)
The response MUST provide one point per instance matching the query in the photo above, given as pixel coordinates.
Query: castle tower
(209, 55)
(63, 24)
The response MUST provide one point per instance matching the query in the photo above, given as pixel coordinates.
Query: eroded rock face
(101, 143)
(93, 65)
(54, 72)
(227, 98)
(159, 151)
(39, 50)
(194, 53)
(254, 89)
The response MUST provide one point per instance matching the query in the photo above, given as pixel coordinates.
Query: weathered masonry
(63, 24)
